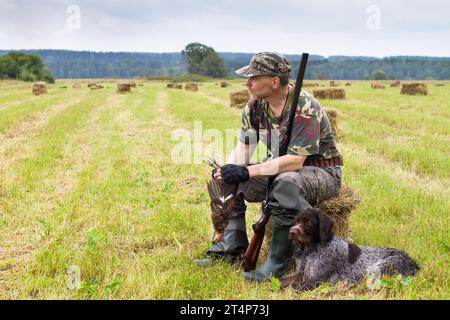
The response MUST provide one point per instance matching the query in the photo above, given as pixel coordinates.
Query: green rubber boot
(232, 246)
(280, 254)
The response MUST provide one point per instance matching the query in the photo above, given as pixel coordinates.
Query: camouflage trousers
(291, 191)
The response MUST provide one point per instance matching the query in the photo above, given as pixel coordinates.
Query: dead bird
(222, 203)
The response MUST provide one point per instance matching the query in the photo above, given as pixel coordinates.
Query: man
(310, 172)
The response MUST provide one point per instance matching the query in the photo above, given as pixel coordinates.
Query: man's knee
(286, 193)
(306, 175)
(289, 176)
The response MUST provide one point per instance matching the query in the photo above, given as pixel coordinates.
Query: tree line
(25, 67)
(86, 64)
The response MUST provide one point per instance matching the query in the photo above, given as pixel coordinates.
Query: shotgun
(259, 228)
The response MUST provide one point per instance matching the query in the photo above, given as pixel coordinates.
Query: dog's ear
(326, 227)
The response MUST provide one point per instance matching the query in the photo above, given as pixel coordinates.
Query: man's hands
(231, 174)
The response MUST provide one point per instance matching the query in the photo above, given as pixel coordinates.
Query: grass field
(87, 183)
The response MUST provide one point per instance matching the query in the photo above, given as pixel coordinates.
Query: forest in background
(86, 64)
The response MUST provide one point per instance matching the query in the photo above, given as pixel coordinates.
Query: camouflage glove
(233, 174)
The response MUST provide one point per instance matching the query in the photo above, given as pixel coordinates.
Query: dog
(320, 257)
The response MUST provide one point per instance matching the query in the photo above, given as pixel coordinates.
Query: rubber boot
(280, 253)
(233, 244)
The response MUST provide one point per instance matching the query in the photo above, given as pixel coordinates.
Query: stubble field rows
(88, 183)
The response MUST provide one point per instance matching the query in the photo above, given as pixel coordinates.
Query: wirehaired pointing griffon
(320, 257)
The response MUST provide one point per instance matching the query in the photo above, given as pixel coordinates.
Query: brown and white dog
(320, 257)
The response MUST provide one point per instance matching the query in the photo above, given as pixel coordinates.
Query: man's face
(261, 86)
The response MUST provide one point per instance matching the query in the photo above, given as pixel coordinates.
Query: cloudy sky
(347, 27)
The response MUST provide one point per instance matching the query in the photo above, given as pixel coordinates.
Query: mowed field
(89, 191)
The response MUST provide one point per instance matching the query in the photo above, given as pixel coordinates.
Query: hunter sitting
(308, 173)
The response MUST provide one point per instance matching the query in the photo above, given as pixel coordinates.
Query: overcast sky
(346, 27)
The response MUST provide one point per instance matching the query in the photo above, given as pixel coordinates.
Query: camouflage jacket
(311, 136)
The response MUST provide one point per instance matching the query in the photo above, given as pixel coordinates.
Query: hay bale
(329, 94)
(123, 87)
(310, 84)
(140, 84)
(332, 116)
(348, 84)
(339, 209)
(91, 85)
(39, 88)
(376, 85)
(224, 84)
(334, 83)
(191, 86)
(239, 99)
(133, 84)
(395, 83)
(174, 86)
(97, 87)
(414, 89)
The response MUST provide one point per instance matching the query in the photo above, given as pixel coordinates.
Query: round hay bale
(414, 89)
(140, 84)
(123, 87)
(39, 88)
(395, 83)
(91, 85)
(334, 83)
(174, 86)
(348, 84)
(339, 209)
(239, 99)
(310, 84)
(224, 84)
(375, 85)
(329, 93)
(191, 86)
(332, 116)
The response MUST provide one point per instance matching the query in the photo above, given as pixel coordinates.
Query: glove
(233, 174)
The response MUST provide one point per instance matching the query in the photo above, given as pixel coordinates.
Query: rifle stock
(259, 228)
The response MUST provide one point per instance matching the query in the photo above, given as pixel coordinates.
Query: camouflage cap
(266, 63)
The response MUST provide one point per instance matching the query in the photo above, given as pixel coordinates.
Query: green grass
(96, 188)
